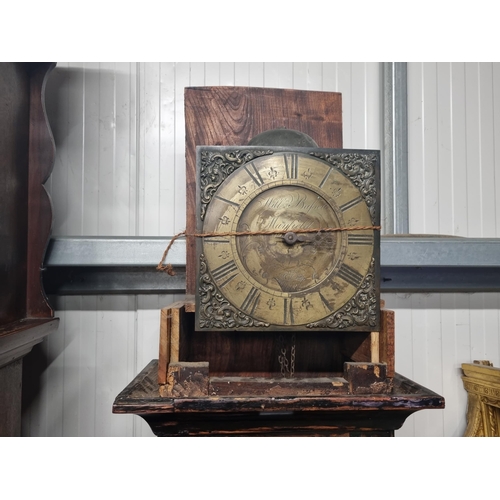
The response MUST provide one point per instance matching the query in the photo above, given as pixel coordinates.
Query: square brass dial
(288, 239)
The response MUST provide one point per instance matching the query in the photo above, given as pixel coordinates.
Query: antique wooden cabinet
(26, 159)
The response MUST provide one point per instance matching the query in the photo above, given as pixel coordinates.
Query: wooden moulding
(367, 365)
(482, 382)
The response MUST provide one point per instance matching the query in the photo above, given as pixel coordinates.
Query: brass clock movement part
(288, 239)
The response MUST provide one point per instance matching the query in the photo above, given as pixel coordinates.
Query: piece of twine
(168, 268)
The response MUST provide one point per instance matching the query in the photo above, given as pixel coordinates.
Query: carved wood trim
(482, 383)
(41, 161)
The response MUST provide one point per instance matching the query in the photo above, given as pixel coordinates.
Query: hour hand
(291, 238)
(320, 238)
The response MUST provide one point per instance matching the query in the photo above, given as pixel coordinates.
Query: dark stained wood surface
(10, 398)
(387, 340)
(254, 354)
(227, 116)
(337, 415)
(14, 149)
(41, 161)
(27, 156)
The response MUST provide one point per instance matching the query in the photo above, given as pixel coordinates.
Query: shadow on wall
(75, 95)
(93, 116)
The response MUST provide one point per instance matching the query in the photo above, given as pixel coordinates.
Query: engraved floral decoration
(360, 169)
(216, 166)
(215, 310)
(361, 310)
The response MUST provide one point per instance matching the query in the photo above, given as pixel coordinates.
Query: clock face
(286, 239)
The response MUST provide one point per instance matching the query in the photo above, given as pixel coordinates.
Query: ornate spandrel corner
(215, 311)
(215, 166)
(362, 310)
(361, 170)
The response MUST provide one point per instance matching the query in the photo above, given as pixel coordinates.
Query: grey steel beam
(95, 266)
(114, 252)
(395, 150)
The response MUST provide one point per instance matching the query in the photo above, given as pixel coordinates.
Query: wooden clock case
(231, 383)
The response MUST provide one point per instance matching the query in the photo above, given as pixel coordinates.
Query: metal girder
(409, 263)
(395, 210)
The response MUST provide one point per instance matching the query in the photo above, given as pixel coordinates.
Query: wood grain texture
(367, 378)
(172, 319)
(375, 347)
(226, 116)
(386, 338)
(187, 380)
(10, 399)
(164, 351)
(276, 387)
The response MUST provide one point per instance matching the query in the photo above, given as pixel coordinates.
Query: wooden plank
(164, 354)
(387, 348)
(234, 115)
(190, 304)
(276, 387)
(374, 347)
(171, 321)
(175, 326)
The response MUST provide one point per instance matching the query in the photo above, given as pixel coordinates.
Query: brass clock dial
(287, 239)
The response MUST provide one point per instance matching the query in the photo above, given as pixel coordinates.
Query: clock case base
(247, 364)
(338, 415)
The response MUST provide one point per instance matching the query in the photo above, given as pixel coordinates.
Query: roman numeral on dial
(225, 200)
(350, 275)
(288, 312)
(359, 239)
(251, 301)
(291, 166)
(325, 178)
(215, 241)
(350, 204)
(254, 174)
(229, 270)
(325, 302)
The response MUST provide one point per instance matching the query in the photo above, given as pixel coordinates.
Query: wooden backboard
(228, 116)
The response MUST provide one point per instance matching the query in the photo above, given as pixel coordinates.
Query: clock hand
(291, 238)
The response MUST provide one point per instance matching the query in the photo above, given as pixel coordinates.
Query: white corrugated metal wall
(119, 131)
(454, 178)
